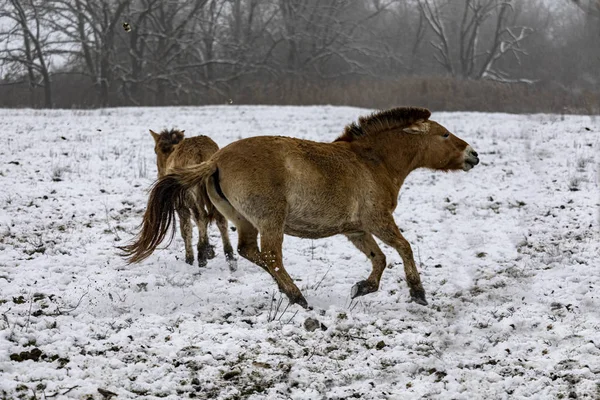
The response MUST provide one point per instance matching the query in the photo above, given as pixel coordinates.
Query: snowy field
(509, 255)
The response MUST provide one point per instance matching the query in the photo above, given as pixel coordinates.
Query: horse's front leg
(389, 233)
(366, 244)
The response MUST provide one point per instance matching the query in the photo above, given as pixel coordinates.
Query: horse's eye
(446, 135)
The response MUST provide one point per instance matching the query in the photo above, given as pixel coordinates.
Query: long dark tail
(167, 194)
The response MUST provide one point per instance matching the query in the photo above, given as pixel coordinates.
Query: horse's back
(192, 150)
(287, 162)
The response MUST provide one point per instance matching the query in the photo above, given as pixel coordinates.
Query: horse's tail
(166, 195)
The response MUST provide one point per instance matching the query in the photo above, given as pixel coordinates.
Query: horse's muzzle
(471, 159)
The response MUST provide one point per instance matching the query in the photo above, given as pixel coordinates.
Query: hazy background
(483, 55)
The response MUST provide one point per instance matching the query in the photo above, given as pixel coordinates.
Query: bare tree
(131, 75)
(486, 34)
(322, 38)
(28, 45)
(172, 39)
(399, 31)
(583, 47)
(207, 45)
(209, 25)
(93, 25)
(591, 7)
(249, 37)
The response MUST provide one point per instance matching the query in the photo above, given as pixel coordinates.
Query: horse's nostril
(473, 152)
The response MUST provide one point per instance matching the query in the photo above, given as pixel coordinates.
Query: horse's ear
(155, 135)
(417, 128)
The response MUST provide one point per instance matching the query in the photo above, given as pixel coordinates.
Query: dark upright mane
(399, 117)
(168, 138)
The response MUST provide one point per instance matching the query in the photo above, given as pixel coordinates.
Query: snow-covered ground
(509, 255)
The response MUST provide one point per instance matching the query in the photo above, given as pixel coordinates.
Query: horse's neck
(396, 157)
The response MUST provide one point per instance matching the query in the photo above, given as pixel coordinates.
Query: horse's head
(441, 149)
(164, 144)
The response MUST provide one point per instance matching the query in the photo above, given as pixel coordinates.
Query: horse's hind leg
(185, 226)
(269, 257)
(389, 233)
(248, 240)
(365, 243)
(271, 241)
(247, 233)
(205, 250)
(227, 249)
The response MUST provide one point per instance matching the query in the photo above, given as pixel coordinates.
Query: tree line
(488, 55)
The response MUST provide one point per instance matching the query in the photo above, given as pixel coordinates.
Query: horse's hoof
(232, 262)
(206, 251)
(361, 288)
(202, 263)
(189, 260)
(210, 252)
(300, 300)
(302, 303)
(418, 296)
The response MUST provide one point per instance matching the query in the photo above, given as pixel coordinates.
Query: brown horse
(280, 185)
(174, 151)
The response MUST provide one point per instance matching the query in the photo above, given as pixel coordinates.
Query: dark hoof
(207, 252)
(190, 260)
(418, 296)
(210, 252)
(298, 299)
(232, 262)
(361, 288)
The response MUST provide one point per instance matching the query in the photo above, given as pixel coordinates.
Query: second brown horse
(173, 150)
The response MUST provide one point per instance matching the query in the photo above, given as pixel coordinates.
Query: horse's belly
(317, 231)
(318, 218)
